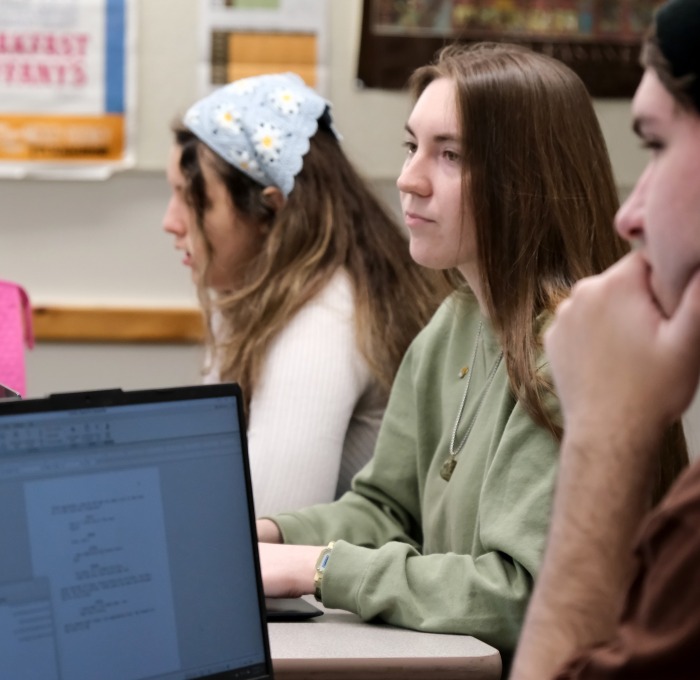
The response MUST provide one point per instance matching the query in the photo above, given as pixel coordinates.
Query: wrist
(320, 569)
(617, 446)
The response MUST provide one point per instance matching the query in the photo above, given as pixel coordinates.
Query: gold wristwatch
(321, 564)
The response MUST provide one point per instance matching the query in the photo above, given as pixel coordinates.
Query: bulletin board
(599, 39)
(243, 38)
(66, 88)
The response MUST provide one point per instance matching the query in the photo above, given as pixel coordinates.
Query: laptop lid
(128, 539)
(8, 393)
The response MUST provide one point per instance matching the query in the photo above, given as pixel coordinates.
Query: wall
(100, 243)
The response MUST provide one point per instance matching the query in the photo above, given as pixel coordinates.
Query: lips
(415, 219)
(186, 256)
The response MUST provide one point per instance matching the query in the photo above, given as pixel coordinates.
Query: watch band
(321, 564)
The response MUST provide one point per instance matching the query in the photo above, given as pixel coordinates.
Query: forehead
(173, 166)
(652, 101)
(436, 109)
(654, 109)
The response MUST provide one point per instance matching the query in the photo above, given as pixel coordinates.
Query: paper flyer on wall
(67, 88)
(242, 38)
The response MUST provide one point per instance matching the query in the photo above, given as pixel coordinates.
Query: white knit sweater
(316, 411)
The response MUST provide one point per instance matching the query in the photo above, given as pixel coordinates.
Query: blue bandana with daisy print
(261, 125)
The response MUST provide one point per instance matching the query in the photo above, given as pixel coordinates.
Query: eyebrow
(437, 138)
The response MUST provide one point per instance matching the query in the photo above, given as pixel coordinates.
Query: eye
(410, 148)
(451, 156)
(653, 145)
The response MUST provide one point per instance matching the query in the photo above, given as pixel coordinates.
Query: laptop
(279, 609)
(128, 539)
(8, 393)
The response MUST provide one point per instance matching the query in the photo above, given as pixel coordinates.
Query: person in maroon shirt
(625, 354)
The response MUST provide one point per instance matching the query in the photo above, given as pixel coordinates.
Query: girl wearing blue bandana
(307, 285)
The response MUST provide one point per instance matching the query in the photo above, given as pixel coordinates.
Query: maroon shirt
(658, 635)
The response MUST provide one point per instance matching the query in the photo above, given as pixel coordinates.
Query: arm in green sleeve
(483, 593)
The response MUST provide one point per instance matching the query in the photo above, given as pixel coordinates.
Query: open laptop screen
(127, 538)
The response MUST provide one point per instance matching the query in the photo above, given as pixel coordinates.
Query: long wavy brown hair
(538, 181)
(330, 221)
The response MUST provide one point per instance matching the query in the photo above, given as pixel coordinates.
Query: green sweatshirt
(422, 553)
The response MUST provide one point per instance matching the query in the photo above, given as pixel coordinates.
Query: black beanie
(678, 33)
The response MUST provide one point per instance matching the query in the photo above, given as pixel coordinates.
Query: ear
(274, 198)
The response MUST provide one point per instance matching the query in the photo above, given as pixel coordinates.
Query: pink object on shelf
(16, 333)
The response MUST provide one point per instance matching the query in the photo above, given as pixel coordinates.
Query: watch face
(321, 565)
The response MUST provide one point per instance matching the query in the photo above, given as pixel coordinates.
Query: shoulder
(542, 323)
(442, 341)
(338, 287)
(683, 499)
(458, 313)
(322, 330)
(336, 298)
(333, 305)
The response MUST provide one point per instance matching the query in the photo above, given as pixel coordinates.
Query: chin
(666, 300)
(428, 264)
(424, 259)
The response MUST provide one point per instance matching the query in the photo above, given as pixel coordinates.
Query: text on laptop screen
(126, 544)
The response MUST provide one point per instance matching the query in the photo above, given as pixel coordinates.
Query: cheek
(460, 214)
(673, 252)
(672, 216)
(234, 248)
(678, 192)
(466, 234)
(196, 245)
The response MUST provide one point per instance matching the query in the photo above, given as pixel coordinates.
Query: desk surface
(340, 645)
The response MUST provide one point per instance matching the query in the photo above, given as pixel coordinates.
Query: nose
(174, 218)
(629, 220)
(413, 178)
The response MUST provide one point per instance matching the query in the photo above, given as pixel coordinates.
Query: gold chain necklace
(449, 465)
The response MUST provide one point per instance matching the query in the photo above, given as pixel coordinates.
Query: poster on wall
(244, 38)
(66, 88)
(599, 39)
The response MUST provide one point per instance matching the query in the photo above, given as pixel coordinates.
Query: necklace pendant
(448, 468)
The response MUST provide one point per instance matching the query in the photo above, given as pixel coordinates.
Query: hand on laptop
(288, 570)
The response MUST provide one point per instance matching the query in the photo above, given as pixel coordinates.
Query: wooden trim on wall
(106, 324)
